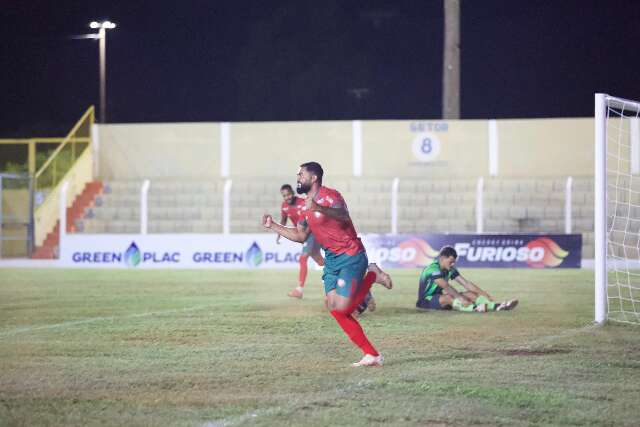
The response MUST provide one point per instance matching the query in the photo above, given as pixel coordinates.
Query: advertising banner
(178, 251)
(478, 250)
(238, 251)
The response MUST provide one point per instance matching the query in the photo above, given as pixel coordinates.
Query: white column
(356, 136)
(635, 145)
(1, 218)
(568, 196)
(62, 206)
(144, 214)
(479, 206)
(225, 149)
(226, 207)
(395, 184)
(600, 223)
(95, 150)
(493, 148)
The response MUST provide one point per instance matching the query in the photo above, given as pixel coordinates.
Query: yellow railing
(32, 144)
(71, 160)
(48, 212)
(63, 158)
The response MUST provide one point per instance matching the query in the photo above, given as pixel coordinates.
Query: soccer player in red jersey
(347, 274)
(292, 209)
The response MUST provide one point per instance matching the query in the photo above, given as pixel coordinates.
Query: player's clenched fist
(267, 220)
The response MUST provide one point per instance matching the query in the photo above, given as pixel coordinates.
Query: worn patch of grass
(196, 348)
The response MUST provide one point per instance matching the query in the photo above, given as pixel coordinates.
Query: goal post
(617, 210)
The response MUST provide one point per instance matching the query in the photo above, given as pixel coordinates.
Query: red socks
(354, 331)
(362, 291)
(302, 276)
(349, 325)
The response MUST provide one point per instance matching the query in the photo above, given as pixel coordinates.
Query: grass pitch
(213, 348)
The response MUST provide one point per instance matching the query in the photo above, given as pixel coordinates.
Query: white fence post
(225, 149)
(493, 148)
(356, 141)
(568, 196)
(62, 204)
(144, 214)
(479, 206)
(95, 148)
(395, 184)
(226, 207)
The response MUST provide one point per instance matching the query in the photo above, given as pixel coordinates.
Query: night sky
(176, 61)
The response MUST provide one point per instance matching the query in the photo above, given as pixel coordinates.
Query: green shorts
(311, 245)
(344, 272)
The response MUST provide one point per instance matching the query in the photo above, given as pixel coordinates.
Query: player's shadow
(398, 310)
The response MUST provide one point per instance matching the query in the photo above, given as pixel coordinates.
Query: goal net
(617, 210)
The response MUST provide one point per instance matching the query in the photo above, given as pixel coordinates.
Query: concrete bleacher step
(424, 205)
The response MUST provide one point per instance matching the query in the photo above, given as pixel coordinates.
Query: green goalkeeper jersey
(428, 286)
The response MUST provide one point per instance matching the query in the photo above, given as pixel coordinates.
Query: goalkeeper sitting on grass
(436, 293)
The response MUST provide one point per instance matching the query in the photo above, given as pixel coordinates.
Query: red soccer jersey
(339, 237)
(294, 211)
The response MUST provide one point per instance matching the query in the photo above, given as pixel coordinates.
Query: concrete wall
(414, 148)
(139, 151)
(374, 149)
(15, 205)
(278, 148)
(546, 147)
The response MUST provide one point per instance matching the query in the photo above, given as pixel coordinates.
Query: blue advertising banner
(478, 250)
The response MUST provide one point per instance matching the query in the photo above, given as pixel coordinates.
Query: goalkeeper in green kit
(436, 293)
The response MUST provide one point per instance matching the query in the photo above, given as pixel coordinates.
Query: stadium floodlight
(617, 209)
(102, 28)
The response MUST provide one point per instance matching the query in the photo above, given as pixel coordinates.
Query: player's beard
(303, 188)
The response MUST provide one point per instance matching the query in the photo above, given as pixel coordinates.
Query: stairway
(86, 199)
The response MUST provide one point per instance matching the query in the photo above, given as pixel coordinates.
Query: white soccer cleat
(507, 305)
(369, 360)
(381, 277)
(295, 294)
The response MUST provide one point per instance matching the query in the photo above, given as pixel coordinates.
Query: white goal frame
(603, 103)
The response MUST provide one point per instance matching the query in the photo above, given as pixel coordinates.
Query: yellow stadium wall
(544, 147)
(278, 148)
(15, 204)
(138, 151)
(390, 148)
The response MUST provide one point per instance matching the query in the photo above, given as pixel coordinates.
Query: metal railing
(64, 156)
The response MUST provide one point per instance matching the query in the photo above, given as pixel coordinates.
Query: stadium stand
(511, 205)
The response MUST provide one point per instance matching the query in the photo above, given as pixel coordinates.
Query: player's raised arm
(296, 234)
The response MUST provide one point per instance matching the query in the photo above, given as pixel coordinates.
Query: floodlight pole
(451, 61)
(102, 28)
(102, 36)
